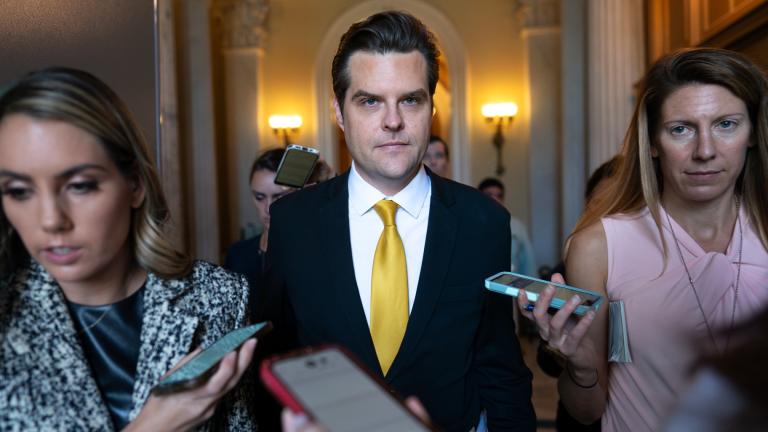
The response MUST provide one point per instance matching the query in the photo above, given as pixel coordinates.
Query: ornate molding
(533, 14)
(242, 23)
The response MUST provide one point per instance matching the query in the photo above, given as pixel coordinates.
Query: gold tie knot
(386, 210)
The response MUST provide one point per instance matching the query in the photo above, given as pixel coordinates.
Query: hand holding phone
(196, 370)
(562, 333)
(330, 387)
(189, 408)
(296, 166)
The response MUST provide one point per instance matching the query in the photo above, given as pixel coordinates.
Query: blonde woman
(97, 305)
(679, 234)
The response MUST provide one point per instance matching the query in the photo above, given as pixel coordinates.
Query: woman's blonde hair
(84, 101)
(638, 182)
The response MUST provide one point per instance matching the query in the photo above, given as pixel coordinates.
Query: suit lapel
(438, 248)
(334, 228)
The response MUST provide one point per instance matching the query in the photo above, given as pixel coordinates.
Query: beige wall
(495, 67)
(112, 39)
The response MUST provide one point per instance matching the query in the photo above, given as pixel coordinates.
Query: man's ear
(138, 193)
(339, 115)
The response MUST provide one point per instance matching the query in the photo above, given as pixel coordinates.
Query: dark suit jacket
(460, 353)
(245, 257)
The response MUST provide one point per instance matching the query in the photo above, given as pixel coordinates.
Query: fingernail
(576, 299)
(300, 420)
(550, 289)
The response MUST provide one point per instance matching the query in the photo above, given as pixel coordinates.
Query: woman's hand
(186, 409)
(561, 331)
(300, 423)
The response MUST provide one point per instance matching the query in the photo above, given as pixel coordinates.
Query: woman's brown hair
(637, 181)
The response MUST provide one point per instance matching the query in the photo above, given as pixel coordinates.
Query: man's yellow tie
(389, 288)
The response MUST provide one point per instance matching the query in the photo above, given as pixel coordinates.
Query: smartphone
(509, 283)
(328, 385)
(201, 366)
(296, 166)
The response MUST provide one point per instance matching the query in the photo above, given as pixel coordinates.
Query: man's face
(436, 158)
(494, 192)
(387, 117)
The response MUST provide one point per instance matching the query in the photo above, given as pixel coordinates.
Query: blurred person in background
(523, 257)
(437, 157)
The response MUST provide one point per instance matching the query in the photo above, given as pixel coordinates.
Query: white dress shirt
(365, 227)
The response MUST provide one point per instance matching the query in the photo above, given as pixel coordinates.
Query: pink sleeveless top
(665, 325)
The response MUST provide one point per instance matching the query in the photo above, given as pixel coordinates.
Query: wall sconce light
(285, 124)
(501, 115)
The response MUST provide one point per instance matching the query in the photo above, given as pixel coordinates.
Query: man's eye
(17, 193)
(259, 197)
(411, 101)
(369, 101)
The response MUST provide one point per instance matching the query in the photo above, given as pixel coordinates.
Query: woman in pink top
(679, 234)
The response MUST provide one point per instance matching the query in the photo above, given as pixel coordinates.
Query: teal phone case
(510, 283)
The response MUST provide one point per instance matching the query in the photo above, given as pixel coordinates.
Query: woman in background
(247, 256)
(679, 235)
(97, 304)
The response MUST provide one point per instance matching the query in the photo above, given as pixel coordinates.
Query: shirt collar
(363, 196)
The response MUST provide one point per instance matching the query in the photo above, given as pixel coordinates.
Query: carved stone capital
(242, 23)
(537, 13)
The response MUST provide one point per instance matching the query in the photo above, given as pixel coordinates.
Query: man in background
(437, 157)
(523, 257)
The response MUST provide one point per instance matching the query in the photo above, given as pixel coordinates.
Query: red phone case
(284, 395)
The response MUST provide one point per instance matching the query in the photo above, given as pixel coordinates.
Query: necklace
(98, 320)
(693, 287)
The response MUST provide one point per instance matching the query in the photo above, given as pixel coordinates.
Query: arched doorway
(452, 104)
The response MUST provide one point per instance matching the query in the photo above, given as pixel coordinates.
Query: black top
(245, 257)
(110, 336)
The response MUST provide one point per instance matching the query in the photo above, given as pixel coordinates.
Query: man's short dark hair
(490, 182)
(382, 33)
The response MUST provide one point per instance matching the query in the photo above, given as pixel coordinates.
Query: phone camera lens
(311, 364)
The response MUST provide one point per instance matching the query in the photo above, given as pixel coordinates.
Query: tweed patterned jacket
(45, 380)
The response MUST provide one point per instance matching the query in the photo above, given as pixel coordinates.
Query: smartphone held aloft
(296, 166)
(509, 283)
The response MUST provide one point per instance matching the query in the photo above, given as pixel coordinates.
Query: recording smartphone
(509, 283)
(200, 367)
(328, 385)
(296, 166)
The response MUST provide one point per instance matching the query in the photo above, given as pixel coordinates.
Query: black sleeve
(503, 379)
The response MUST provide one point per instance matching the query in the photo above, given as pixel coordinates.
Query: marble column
(540, 23)
(198, 129)
(616, 52)
(573, 144)
(242, 27)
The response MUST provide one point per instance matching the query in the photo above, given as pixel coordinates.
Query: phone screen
(199, 365)
(537, 287)
(296, 166)
(340, 396)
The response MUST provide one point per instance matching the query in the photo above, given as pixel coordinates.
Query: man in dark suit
(389, 259)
